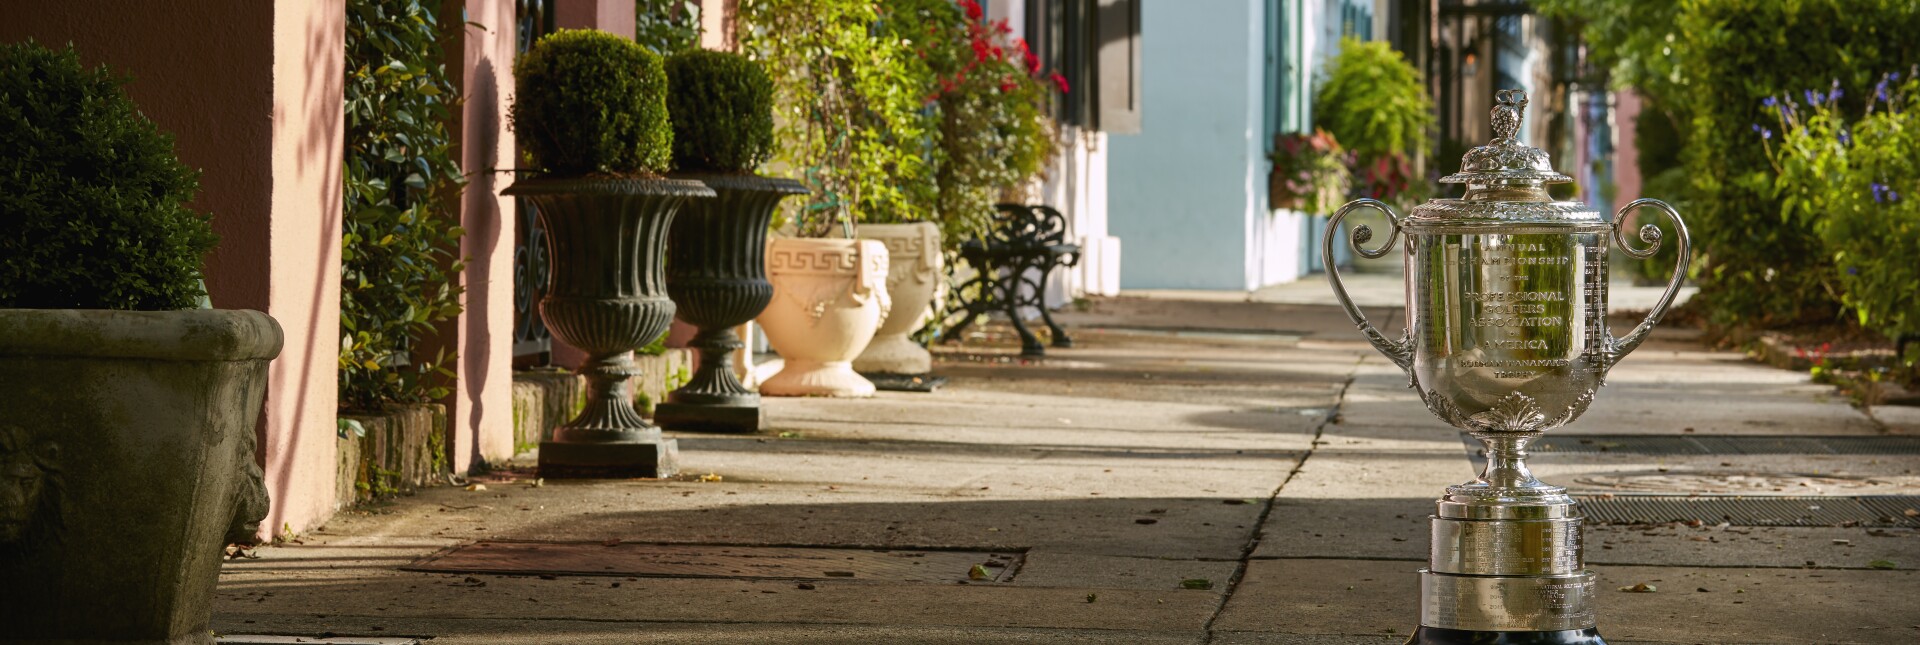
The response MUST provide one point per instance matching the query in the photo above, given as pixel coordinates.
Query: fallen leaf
(476, 487)
(1882, 564)
(1092, 597)
(710, 477)
(1640, 588)
(1196, 583)
(978, 572)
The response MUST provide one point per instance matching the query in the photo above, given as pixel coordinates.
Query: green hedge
(588, 101)
(93, 203)
(1765, 268)
(722, 110)
(400, 242)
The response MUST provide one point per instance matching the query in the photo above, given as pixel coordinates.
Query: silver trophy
(1507, 338)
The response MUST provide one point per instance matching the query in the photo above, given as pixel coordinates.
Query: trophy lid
(1505, 161)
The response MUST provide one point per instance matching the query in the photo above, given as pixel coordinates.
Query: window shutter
(1115, 89)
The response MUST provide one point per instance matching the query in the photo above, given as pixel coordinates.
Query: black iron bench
(1011, 265)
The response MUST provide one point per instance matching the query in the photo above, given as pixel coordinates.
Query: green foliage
(849, 117)
(1766, 266)
(986, 112)
(1374, 102)
(400, 249)
(1634, 40)
(1856, 184)
(1658, 143)
(722, 109)
(588, 101)
(93, 214)
(666, 27)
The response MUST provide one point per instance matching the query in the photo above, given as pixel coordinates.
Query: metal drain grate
(710, 561)
(1724, 445)
(1742, 510)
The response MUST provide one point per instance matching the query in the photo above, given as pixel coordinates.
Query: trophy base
(1442, 636)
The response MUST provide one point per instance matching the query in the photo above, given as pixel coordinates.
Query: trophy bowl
(1506, 338)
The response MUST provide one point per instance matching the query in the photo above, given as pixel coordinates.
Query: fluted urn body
(716, 275)
(1506, 338)
(606, 240)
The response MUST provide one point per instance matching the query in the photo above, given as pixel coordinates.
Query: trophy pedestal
(1505, 565)
(1440, 636)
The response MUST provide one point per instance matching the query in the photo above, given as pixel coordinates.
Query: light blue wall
(1181, 194)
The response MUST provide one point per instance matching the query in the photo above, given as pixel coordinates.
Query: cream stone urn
(829, 296)
(913, 277)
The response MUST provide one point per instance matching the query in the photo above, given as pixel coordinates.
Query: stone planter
(606, 239)
(127, 445)
(913, 277)
(718, 278)
(829, 297)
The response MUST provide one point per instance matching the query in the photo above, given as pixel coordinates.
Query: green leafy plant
(666, 27)
(1766, 266)
(400, 248)
(94, 213)
(985, 110)
(722, 110)
(588, 102)
(1373, 101)
(848, 107)
(1854, 182)
(1309, 172)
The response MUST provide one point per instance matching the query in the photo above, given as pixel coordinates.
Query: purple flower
(1879, 192)
(1765, 134)
(1812, 98)
(1834, 94)
(1853, 270)
(1845, 139)
(1768, 102)
(1880, 90)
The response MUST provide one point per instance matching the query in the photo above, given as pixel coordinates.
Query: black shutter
(1116, 66)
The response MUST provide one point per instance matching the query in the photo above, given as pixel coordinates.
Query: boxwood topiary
(721, 105)
(588, 101)
(93, 202)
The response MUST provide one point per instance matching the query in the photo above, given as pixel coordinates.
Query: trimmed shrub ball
(93, 202)
(721, 104)
(587, 102)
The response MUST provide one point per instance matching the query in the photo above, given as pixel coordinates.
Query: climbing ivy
(400, 249)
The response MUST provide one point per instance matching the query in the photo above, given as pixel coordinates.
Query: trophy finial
(1508, 114)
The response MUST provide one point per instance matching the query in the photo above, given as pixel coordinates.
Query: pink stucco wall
(480, 411)
(251, 91)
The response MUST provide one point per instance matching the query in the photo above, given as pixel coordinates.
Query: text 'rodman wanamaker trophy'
(1507, 338)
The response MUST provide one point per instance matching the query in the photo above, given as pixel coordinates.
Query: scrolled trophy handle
(1400, 351)
(1618, 348)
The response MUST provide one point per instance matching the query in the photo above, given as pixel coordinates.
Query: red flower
(1060, 82)
(981, 50)
(973, 9)
(999, 54)
(1006, 84)
(1002, 27)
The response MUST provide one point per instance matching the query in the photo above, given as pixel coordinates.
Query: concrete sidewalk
(1193, 471)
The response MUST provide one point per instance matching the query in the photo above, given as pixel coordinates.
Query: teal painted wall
(1183, 193)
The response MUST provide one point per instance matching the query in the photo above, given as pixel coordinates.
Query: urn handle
(1618, 348)
(1400, 351)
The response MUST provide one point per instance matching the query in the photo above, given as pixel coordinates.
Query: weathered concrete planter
(913, 276)
(828, 298)
(127, 439)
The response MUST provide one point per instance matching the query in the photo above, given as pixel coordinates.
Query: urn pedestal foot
(738, 419)
(653, 458)
(1442, 636)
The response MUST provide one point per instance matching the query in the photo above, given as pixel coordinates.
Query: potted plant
(591, 114)
(721, 106)
(984, 115)
(1375, 105)
(1309, 172)
(848, 104)
(127, 404)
